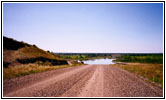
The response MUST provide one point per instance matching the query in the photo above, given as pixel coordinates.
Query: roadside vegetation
(152, 72)
(149, 66)
(27, 69)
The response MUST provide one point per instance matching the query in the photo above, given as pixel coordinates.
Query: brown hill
(15, 52)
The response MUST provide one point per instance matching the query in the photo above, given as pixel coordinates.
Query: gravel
(81, 81)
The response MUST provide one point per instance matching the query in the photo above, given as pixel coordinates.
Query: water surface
(99, 61)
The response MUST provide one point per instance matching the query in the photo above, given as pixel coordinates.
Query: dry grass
(32, 52)
(22, 70)
(27, 52)
(153, 72)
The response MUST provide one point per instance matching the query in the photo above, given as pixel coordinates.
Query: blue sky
(87, 27)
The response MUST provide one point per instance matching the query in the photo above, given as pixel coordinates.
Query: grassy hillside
(15, 52)
(11, 44)
(33, 52)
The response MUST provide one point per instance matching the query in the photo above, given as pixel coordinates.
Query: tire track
(83, 81)
(94, 86)
(31, 89)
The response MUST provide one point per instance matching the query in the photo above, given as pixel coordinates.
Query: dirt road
(82, 81)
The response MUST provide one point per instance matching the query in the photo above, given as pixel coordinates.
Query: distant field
(123, 57)
(142, 58)
(83, 56)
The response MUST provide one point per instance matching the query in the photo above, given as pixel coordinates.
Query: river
(99, 61)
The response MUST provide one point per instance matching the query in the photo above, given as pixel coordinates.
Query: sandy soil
(82, 81)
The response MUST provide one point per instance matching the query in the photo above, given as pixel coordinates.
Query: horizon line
(107, 53)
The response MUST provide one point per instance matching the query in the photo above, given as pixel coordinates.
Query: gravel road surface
(81, 81)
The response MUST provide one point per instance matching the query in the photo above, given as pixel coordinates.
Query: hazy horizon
(86, 27)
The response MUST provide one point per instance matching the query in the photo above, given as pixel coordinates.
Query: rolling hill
(16, 52)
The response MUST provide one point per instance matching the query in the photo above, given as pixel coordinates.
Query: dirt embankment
(16, 52)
